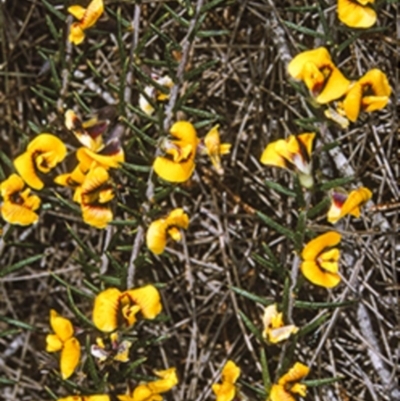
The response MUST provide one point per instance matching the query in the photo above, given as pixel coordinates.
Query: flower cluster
(326, 84)
(226, 390)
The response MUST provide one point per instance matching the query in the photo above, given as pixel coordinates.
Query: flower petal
(106, 309)
(61, 326)
(297, 372)
(230, 372)
(168, 380)
(355, 15)
(53, 343)
(156, 236)
(148, 299)
(69, 359)
(279, 393)
(317, 276)
(318, 244)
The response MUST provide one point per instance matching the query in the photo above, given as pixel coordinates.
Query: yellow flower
(42, 154)
(274, 328)
(371, 92)
(344, 204)
(93, 195)
(178, 163)
(87, 17)
(89, 133)
(226, 390)
(356, 13)
(158, 231)
(18, 206)
(63, 340)
(153, 93)
(113, 307)
(316, 69)
(320, 260)
(95, 397)
(214, 149)
(293, 153)
(288, 384)
(151, 391)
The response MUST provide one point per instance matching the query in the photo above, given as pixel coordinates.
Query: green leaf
(303, 29)
(322, 305)
(314, 324)
(20, 265)
(280, 188)
(276, 226)
(252, 297)
(76, 310)
(319, 208)
(132, 366)
(249, 324)
(17, 323)
(336, 183)
(265, 371)
(322, 382)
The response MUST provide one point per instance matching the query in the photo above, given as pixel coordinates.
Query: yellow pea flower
(159, 230)
(356, 13)
(18, 205)
(94, 195)
(113, 308)
(288, 386)
(214, 149)
(63, 340)
(42, 154)
(293, 153)
(226, 390)
(274, 329)
(151, 391)
(87, 18)
(178, 163)
(344, 204)
(321, 260)
(316, 69)
(371, 92)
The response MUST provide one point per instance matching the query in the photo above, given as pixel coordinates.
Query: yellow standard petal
(106, 310)
(61, 326)
(230, 372)
(315, 247)
(296, 373)
(53, 343)
(69, 359)
(43, 154)
(356, 14)
(279, 393)
(148, 299)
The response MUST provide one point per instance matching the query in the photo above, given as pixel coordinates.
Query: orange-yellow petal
(111, 160)
(11, 185)
(69, 359)
(96, 216)
(53, 343)
(77, 11)
(156, 236)
(43, 153)
(168, 380)
(171, 171)
(61, 326)
(18, 214)
(297, 372)
(356, 15)
(224, 392)
(317, 276)
(230, 372)
(106, 309)
(318, 244)
(279, 393)
(185, 131)
(178, 218)
(148, 299)
(335, 87)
